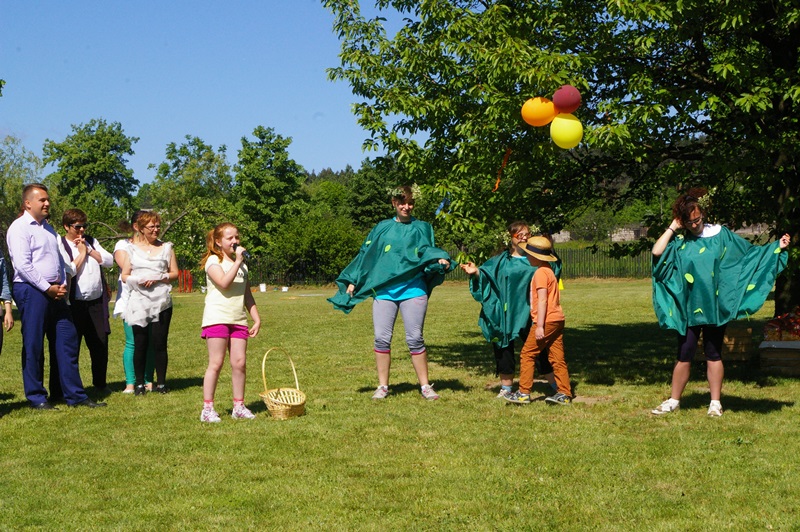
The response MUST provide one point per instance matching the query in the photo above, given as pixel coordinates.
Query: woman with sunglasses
(702, 279)
(149, 269)
(501, 285)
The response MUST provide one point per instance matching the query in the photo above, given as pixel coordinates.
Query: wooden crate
(737, 345)
(782, 358)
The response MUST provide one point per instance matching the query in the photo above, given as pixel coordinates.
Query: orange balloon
(538, 111)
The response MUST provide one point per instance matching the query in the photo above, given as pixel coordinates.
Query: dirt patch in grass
(592, 399)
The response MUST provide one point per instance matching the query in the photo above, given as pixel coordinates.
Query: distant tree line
(280, 209)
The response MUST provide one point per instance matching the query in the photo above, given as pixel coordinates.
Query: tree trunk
(787, 286)
(787, 290)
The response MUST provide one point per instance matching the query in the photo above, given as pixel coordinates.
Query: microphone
(245, 254)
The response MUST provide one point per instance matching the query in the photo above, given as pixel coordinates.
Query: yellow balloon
(566, 131)
(538, 111)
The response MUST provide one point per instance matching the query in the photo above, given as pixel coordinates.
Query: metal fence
(585, 263)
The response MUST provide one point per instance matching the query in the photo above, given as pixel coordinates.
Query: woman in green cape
(703, 279)
(502, 285)
(398, 265)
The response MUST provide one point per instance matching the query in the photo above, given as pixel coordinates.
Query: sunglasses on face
(78, 227)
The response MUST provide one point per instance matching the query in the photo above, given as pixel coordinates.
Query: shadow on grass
(96, 395)
(173, 384)
(410, 387)
(734, 403)
(7, 408)
(255, 406)
(604, 355)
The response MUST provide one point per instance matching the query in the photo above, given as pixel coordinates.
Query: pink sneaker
(242, 412)
(381, 392)
(209, 415)
(428, 393)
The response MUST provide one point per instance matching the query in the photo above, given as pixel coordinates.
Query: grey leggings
(384, 314)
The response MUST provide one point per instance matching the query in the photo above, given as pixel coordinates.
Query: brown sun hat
(539, 247)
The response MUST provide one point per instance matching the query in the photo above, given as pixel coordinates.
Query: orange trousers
(554, 342)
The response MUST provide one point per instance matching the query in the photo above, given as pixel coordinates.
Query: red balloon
(567, 99)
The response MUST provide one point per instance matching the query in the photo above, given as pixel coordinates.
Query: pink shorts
(224, 330)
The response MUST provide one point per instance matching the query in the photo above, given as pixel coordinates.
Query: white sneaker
(242, 412)
(209, 415)
(381, 392)
(670, 405)
(504, 394)
(715, 409)
(428, 393)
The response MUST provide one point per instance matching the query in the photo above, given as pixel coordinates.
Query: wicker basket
(283, 403)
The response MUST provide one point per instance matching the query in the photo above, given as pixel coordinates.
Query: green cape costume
(393, 252)
(711, 280)
(502, 288)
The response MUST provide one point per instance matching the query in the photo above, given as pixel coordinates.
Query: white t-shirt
(225, 306)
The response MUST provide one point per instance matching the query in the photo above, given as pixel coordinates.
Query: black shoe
(559, 399)
(105, 391)
(88, 403)
(44, 405)
(162, 388)
(139, 390)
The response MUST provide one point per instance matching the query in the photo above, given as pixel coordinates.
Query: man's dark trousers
(40, 315)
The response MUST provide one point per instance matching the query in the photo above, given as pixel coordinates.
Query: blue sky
(170, 68)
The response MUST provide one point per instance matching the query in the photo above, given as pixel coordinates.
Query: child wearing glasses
(702, 279)
(228, 303)
(547, 316)
(501, 285)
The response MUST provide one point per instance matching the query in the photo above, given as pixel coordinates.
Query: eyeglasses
(152, 227)
(696, 221)
(78, 227)
(522, 236)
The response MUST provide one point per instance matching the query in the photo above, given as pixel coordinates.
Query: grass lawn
(467, 461)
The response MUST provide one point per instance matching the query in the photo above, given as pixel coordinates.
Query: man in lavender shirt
(40, 291)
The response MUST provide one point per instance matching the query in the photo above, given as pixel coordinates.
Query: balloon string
(500, 171)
